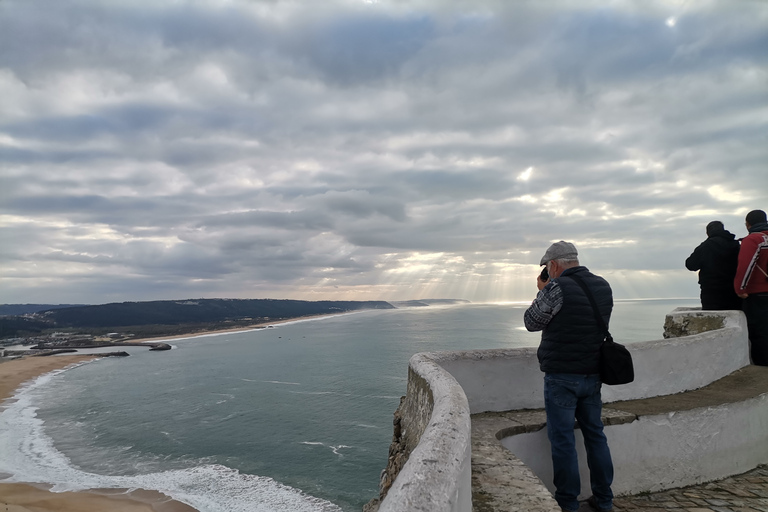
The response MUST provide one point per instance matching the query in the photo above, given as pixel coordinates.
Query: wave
(339, 447)
(280, 382)
(228, 396)
(320, 393)
(334, 449)
(30, 456)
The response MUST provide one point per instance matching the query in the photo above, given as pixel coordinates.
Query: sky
(371, 150)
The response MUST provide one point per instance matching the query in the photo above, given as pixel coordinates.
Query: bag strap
(757, 254)
(595, 309)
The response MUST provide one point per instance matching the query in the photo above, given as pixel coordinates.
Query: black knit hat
(755, 217)
(714, 227)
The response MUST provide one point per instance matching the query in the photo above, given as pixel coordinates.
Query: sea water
(296, 418)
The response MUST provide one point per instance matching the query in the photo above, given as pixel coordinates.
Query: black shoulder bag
(615, 360)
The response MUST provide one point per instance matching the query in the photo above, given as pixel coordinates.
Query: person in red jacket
(751, 284)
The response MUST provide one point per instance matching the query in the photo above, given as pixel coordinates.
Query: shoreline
(215, 332)
(36, 497)
(246, 328)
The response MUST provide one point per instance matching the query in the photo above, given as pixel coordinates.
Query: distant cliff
(172, 316)
(26, 309)
(421, 303)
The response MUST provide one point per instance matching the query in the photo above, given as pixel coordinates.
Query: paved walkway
(743, 493)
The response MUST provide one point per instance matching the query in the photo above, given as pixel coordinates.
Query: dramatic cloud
(371, 150)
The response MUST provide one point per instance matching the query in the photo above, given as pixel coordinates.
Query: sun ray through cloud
(376, 150)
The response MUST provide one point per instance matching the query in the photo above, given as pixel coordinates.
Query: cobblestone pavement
(742, 493)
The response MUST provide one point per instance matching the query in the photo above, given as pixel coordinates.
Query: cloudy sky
(371, 150)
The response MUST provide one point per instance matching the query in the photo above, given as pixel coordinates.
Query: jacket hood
(723, 233)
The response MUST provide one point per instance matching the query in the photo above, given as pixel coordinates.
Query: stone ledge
(500, 481)
(748, 382)
(689, 321)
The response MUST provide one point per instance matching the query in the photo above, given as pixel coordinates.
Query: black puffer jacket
(716, 259)
(570, 343)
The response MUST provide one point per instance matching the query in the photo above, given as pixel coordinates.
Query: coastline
(246, 328)
(27, 497)
(34, 497)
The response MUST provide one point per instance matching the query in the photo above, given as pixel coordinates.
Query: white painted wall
(665, 367)
(438, 474)
(502, 380)
(666, 451)
(496, 380)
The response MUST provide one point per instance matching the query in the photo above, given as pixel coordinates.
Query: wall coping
(437, 476)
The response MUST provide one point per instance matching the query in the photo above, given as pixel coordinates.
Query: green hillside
(168, 316)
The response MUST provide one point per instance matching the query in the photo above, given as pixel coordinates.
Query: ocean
(295, 418)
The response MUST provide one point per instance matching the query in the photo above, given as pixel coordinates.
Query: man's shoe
(593, 503)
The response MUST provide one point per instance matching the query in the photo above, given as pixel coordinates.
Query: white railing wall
(437, 476)
(507, 379)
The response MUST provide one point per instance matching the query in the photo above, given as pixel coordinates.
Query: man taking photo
(569, 356)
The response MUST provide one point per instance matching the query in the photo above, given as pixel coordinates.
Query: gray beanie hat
(560, 251)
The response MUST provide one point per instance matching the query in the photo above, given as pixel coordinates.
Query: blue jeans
(567, 397)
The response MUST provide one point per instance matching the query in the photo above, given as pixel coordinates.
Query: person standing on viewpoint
(751, 284)
(715, 259)
(569, 356)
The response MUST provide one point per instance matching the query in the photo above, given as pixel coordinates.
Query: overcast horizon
(371, 150)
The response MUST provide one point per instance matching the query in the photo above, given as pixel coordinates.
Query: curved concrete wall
(506, 379)
(445, 387)
(665, 367)
(663, 451)
(438, 474)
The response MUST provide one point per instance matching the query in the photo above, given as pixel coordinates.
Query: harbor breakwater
(431, 457)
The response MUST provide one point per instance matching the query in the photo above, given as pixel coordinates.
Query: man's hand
(742, 295)
(541, 284)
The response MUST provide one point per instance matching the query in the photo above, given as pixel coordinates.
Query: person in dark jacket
(569, 356)
(716, 259)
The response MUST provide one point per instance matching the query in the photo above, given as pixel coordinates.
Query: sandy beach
(20, 497)
(252, 327)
